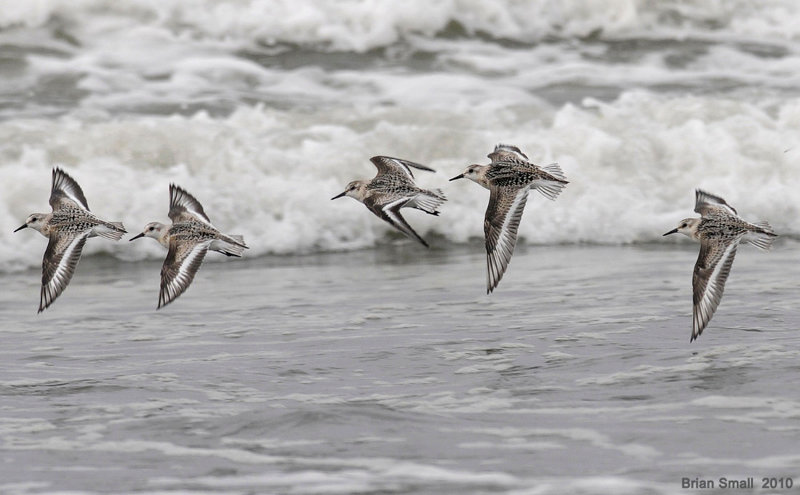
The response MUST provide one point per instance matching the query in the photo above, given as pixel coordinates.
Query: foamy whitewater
(368, 364)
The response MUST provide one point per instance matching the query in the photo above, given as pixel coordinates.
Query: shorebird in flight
(187, 240)
(67, 227)
(719, 231)
(509, 178)
(393, 188)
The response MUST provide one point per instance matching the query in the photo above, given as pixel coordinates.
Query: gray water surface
(390, 371)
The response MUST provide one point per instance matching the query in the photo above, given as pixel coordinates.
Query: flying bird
(509, 177)
(393, 188)
(719, 231)
(67, 227)
(187, 240)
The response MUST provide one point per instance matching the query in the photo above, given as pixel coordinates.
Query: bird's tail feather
(762, 237)
(551, 188)
(233, 247)
(428, 201)
(554, 170)
(111, 230)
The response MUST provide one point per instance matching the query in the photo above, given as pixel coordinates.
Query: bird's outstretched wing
(58, 264)
(66, 192)
(507, 153)
(500, 227)
(183, 207)
(182, 262)
(390, 212)
(708, 281)
(705, 203)
(387, 164)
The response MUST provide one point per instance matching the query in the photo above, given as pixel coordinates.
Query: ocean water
(337, 357)
(389, 371)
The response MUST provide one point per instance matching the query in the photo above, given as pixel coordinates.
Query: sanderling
(187, 240)
(719, 230)
(393, 188)
(508, 178)
(67, 227)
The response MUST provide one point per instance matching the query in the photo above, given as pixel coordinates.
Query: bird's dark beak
(20, 228)
(459, 176)
(673, 231)
(339, 195)
(136, 237)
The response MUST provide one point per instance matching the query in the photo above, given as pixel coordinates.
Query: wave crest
(361, 25)
(269, 174)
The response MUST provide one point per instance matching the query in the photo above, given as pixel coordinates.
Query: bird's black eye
(683, 225)
(151, 229)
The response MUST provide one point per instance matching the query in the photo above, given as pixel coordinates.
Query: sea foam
(269, 174)
(360, 26)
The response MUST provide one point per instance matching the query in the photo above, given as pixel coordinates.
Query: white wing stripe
(501, 254)
(704, 199)
(712, 295)
(63, 274)
(183, 199)
(175, 287)
(66, 185)
(403, 166)
(69, 193)
(388, 208)
(62, 271)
